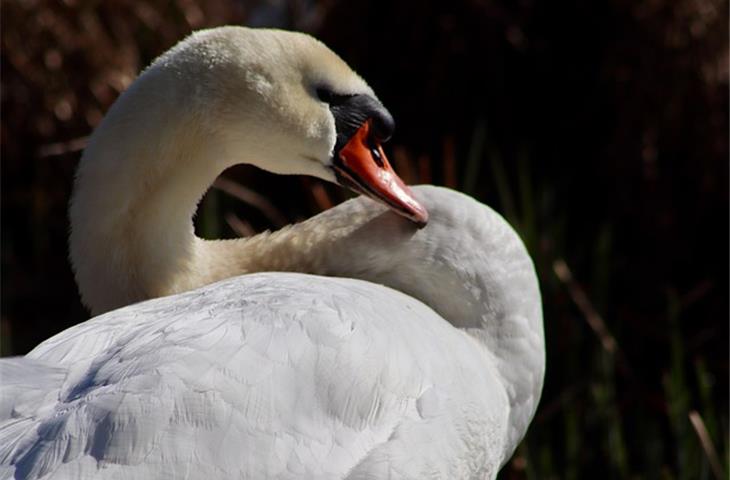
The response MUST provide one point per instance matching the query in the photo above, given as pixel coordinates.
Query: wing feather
(260, 376)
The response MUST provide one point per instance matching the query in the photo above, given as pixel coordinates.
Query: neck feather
(136, 191)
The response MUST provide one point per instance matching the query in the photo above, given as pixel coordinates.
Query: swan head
(286, 103)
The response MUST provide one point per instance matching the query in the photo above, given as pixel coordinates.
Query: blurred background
(598, 129)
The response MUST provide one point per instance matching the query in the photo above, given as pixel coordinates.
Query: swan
(397, 335)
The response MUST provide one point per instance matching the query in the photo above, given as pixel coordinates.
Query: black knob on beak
(352, 111)
(383, 124)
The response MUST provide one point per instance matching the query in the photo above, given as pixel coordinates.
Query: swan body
(397, 352)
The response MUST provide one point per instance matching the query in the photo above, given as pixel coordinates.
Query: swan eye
(328, 96)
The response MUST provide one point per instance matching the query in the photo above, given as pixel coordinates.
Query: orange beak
(362, 166)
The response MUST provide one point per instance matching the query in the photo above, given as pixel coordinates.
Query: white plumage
(427, 362)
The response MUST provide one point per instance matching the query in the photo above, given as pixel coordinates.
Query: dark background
(599, 129)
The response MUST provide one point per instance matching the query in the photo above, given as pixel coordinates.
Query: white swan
(425, 361)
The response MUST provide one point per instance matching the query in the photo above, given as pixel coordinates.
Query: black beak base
(352, 111)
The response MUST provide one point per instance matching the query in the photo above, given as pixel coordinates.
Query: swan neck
(135, 195)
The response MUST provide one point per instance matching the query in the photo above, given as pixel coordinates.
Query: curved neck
(136, 191)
